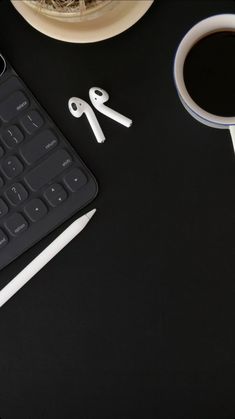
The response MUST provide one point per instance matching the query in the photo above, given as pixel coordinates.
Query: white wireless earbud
(78, 107)
(98, 97)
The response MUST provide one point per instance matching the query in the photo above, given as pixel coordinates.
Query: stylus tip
(91, 213)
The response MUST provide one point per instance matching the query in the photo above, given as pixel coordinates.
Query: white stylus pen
(44, 257)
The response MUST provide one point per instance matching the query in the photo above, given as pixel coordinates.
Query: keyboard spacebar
(49, 169)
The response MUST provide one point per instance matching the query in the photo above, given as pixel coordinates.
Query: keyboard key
(3, 239)
(35, 210)
(16, 224)
(55, 195)
(1, 152)
(12, 136)
(16, 194)
(75, 179)
(32, 121)
(3, 208)
(13, 105)
(12, 167)
(48, 170)
(39, 146)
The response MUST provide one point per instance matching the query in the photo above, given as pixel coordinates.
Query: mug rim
(205, 27)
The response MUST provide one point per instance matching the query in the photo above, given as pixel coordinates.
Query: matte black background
(136, 317)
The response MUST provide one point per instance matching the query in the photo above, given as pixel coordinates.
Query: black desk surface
(135, 318)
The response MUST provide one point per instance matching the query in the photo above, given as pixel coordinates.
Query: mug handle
(232, 132)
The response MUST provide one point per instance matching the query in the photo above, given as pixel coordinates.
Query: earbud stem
(116, 116)
(95, 126)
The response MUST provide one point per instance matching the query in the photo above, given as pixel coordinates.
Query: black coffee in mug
(209, 73)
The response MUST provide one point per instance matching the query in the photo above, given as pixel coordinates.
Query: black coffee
(209, 73)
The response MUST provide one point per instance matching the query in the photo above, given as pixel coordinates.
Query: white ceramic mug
(218, 23)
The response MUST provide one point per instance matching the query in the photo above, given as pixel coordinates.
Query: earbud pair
(98, 98)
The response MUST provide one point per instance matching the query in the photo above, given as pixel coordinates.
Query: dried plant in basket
(67, 6)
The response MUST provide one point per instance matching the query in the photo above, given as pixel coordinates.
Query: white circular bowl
(116, 20)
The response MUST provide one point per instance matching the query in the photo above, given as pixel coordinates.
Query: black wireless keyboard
(43, 181)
